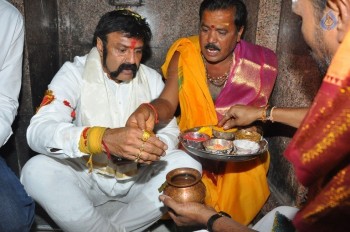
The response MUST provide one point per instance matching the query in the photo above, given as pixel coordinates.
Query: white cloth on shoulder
(96, 96)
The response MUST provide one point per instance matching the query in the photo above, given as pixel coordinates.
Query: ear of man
(240, 33)
(342, 9)
(99, 45)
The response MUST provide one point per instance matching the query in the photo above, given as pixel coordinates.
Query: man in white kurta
(16, 207)
(105, 195)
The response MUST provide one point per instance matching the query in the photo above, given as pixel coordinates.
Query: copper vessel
(185, 185)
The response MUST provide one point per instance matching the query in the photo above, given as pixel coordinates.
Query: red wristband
(107, 150)
(154, 111)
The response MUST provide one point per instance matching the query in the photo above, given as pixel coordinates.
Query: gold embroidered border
(334, 196)
(333, 130)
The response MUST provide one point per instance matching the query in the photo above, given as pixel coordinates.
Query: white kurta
(11, 55)
(59, 179)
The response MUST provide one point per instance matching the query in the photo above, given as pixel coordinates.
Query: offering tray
(232, 156)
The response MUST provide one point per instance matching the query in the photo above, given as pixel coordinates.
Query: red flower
(47, 99)
(72, 114)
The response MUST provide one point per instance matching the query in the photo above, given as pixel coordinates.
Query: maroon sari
(320, 151)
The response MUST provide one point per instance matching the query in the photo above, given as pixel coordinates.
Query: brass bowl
(248, 134)
(220, 133)
(185, 185)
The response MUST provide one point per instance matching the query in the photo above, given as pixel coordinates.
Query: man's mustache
(212, 46)
(124, 66)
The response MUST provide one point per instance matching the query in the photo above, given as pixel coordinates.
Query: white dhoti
(80, 201)
(83, 96)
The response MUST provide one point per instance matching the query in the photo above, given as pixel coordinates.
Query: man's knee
(179, 158)
(33, 172)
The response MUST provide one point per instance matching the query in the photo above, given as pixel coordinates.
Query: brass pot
(185, 185)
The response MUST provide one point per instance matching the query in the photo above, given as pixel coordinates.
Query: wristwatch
(213, 218)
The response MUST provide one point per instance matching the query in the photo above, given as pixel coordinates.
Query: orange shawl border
(194, 95)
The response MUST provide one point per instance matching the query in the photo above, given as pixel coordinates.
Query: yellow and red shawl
(320, 151)
(241, 189)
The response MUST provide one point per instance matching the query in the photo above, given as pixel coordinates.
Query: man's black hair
(125, 21)
(130, 23)
(213, 5)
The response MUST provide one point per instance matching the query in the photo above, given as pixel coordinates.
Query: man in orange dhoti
(206, 75)
(320, 150)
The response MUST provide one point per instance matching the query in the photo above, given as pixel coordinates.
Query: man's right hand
(189, 213)
(132, 144)
(142, 118)
(193, 213)
(241, 115)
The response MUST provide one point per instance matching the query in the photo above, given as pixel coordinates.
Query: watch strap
(213, 218)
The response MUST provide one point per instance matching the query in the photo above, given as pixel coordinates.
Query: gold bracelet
(263, 113)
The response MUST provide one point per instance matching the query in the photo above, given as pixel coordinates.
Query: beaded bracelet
(156, 120)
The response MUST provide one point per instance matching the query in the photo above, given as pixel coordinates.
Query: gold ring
(138, 157)
(145, 136)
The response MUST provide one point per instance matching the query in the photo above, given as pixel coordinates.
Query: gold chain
(217, 81)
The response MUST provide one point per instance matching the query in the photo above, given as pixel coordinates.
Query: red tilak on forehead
(133, 43)
(212, 26)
